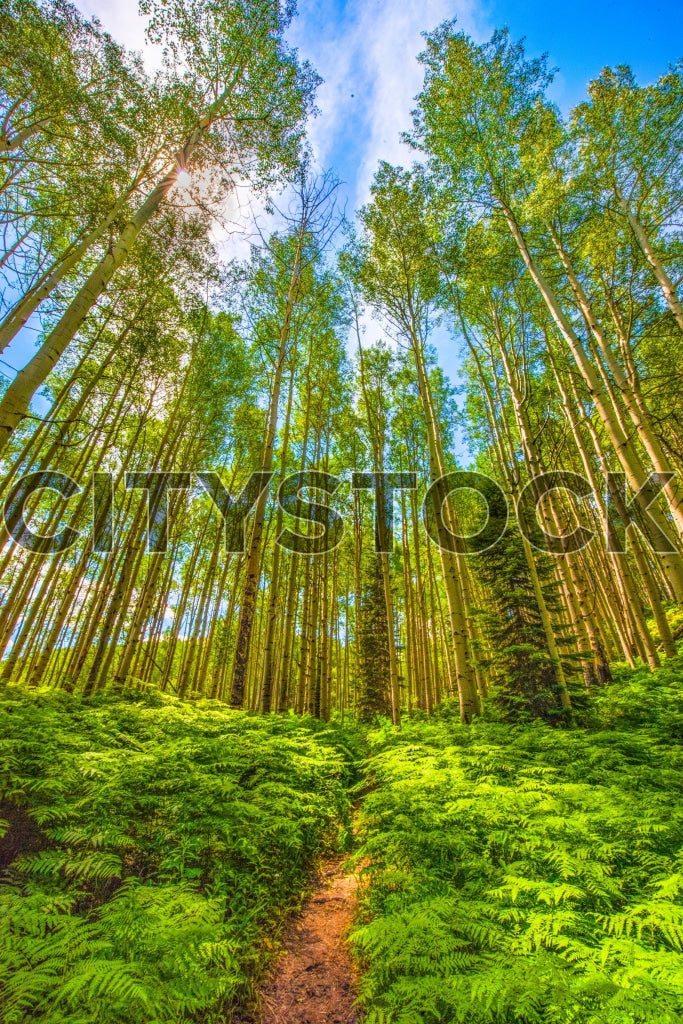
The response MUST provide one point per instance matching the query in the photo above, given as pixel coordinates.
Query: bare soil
(312, 980)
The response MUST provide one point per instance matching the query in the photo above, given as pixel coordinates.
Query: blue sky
(583, 37)
(365, 51)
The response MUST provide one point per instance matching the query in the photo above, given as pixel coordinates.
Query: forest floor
(312, 981)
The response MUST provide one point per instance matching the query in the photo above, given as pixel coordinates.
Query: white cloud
(368, 58)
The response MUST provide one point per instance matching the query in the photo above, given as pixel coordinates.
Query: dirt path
(312, 981)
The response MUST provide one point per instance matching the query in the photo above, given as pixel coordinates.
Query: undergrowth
(528, 875)
(150, 848)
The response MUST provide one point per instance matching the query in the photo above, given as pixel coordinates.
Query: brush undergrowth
(148, 848)
(528, 875)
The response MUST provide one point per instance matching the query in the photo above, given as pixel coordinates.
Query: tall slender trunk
(269, 654)
(645, 243)
(467, 687)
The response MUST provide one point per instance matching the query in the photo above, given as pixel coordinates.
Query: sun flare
(184, 180)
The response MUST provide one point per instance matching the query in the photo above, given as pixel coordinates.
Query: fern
(169, 839)
(525, 875)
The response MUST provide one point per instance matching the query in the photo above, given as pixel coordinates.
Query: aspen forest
(341, 569)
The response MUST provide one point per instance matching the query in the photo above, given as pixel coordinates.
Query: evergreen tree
(522, 671)
(374, 646)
